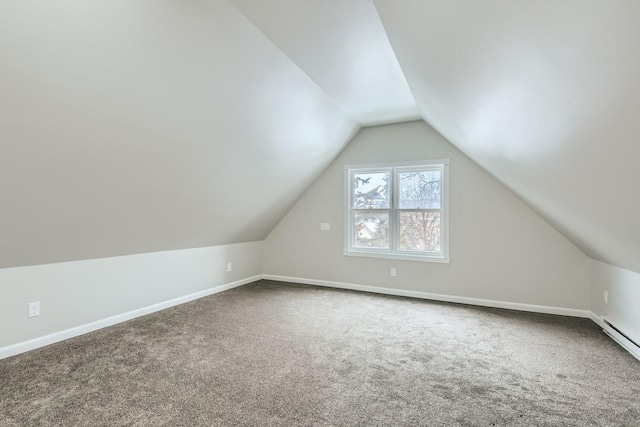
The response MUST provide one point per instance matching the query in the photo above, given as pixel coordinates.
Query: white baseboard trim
(596, 319)
(55, 337)
(436, 297)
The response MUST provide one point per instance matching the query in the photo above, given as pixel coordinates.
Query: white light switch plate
(325, 226)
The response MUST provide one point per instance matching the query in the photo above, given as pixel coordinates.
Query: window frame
(394, 170)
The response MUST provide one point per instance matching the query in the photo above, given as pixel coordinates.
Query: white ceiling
(130, 127)
(343, 47)
(545, 96)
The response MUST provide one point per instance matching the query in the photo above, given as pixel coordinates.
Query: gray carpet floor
(277, 354)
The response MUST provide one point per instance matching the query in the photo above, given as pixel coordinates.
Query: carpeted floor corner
(277, 354)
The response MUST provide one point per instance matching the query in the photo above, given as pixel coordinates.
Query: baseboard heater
(625, 339)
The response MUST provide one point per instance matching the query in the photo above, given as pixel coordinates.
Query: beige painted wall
(500, 249)
(623, 288)
(80, 292)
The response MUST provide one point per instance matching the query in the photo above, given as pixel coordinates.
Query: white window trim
(443, 257)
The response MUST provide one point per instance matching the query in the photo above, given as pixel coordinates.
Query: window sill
(403, 257)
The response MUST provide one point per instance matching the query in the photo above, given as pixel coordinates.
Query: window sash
(352, 229)
(397, 171)
(394, 211)
(390, 189)
(424, 168)
(396, 234)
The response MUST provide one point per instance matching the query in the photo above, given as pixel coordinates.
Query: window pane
(371, 230)
(371, 190)
(419, 189)
(420, 231)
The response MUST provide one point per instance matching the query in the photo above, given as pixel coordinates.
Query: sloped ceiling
(130, 127)
(342, 46)
(139, 126)
(545, 96)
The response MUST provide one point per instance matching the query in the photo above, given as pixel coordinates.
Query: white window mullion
(394, 204)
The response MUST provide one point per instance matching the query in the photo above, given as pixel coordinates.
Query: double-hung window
(398, 211)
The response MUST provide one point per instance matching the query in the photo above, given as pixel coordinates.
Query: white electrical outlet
(606, 297)
(229, 266)
(34, 309)
(325, 226)
(393, 272)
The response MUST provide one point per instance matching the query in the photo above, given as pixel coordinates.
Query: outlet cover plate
(34, 309)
